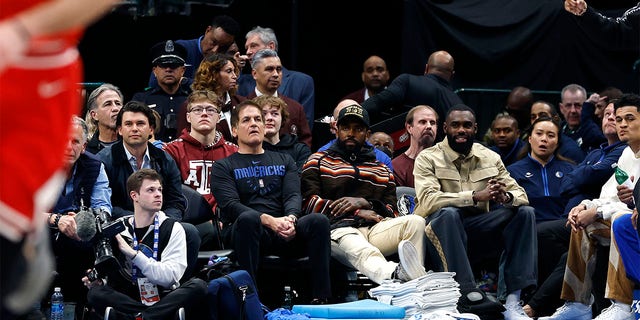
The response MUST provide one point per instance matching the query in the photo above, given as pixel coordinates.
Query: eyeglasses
(197, 110)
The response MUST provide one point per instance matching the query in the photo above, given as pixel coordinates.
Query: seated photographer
(152, 253)
(86, 185)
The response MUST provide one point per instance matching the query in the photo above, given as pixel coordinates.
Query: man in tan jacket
(473, 210)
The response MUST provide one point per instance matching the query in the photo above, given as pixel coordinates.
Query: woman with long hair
(218, 73)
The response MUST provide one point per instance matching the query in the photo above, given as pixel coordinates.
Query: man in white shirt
(591, 222)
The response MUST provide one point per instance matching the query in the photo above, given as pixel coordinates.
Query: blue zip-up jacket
(587, 179)
(511, 156)
(542, 184)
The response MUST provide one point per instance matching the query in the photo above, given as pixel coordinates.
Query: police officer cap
(168, 52)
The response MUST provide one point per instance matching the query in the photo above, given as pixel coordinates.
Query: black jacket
(290, 145)
(119, 169)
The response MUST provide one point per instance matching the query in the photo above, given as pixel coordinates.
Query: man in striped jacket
(358, 195)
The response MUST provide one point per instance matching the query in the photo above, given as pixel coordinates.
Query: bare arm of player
(49, 17)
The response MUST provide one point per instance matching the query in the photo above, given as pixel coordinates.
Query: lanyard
(136, 246)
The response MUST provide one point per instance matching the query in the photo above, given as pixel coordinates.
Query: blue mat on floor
(361, 309)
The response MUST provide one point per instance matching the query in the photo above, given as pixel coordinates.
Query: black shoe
(477, 302)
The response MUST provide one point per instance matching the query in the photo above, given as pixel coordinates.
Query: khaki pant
(581, 261)
(365, 248)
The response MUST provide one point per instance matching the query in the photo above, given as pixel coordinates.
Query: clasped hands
(284, 227)
(495, 190)
(580, 217)
(359, 206)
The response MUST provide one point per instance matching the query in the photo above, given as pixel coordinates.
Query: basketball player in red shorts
(40, 69)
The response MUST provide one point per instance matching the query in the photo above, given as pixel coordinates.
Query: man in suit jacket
(267, 73)
(294, 84)
(375, 77)
(432, 89)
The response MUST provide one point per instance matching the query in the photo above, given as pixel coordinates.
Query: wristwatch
(599, 213)
(509, 197)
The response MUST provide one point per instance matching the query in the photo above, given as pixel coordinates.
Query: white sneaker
(514, 312)
(616, 311)
(410, 267)
(570, 311)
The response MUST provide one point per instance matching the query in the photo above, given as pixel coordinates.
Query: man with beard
(456, 182)
(421, 124)
(380, 155)
(358, 194)
(169, 93)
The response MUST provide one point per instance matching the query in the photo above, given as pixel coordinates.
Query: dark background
(320, 38)
(496, 44)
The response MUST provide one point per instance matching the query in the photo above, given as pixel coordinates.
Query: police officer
(167, 96)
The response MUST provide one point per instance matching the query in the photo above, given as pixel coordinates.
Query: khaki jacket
(445, 178)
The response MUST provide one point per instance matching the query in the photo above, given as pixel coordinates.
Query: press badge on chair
(148, 292)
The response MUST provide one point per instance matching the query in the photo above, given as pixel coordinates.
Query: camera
(105, 231)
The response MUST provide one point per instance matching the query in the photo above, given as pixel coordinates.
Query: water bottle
(287, 302)
(57, 304)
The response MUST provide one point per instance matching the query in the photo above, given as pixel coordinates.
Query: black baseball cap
(354, 111)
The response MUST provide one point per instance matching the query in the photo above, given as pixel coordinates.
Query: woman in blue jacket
(541, 169)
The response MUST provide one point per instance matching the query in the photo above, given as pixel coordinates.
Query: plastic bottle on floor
(57, 304)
